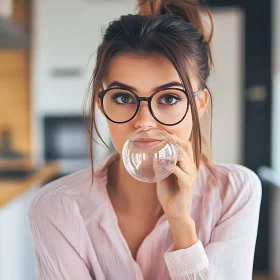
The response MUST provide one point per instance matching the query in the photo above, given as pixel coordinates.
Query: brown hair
(189, 10)
(176, 30)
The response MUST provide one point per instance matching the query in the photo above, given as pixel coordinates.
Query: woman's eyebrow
(119, 84)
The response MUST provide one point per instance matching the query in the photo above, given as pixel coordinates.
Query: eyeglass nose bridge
(144, 99)
(147, 99)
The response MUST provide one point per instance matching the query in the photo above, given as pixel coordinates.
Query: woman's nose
(144, 118)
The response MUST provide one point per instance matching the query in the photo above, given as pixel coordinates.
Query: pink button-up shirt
(77, 237)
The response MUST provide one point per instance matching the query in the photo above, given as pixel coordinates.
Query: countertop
(10, 189)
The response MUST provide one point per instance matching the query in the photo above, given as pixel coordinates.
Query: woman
(199, 223)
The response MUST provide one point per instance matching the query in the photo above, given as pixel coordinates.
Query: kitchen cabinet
(15, 101)
(66, 34)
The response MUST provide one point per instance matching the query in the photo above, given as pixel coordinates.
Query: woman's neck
(130, 196)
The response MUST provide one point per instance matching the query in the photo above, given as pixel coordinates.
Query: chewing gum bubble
(150, 155)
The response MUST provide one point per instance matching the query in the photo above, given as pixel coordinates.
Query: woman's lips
(146, 142)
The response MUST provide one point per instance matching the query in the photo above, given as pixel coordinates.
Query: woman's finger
(186, 145)
(184, 179)
(186, 163)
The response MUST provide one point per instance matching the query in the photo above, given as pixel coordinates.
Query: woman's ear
(202, 101)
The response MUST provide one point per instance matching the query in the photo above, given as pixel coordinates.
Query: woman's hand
(174, 193)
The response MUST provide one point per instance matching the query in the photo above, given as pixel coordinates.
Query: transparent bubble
(150, 155)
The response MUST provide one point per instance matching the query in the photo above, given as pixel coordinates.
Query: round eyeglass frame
(139, 99)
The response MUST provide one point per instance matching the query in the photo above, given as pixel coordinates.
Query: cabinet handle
(66, 72)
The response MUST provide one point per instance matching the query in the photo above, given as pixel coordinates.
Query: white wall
(66, 33)
(6, 8)
(227, 84)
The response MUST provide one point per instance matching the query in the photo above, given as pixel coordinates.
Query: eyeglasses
(168, 106)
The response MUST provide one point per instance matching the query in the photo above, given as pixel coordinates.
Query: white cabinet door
(66, 34)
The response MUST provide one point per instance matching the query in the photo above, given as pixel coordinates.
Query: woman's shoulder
(56, 209)
(71, 185)
(226, 170)
(78, 183)
(76, 191)
(237, 176)
(58, 196)
(234, 183)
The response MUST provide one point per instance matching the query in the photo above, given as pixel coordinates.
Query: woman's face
(144, 73)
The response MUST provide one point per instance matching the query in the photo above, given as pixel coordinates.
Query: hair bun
(188, 9)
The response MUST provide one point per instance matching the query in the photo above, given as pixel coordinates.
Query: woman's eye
(122, 99)
(169, 99)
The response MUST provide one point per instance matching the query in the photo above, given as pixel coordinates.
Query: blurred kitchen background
(47, 54)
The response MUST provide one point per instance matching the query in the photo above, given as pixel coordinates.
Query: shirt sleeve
(58, 235)
(230, 253)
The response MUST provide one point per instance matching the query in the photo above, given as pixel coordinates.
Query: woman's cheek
(117, 137)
